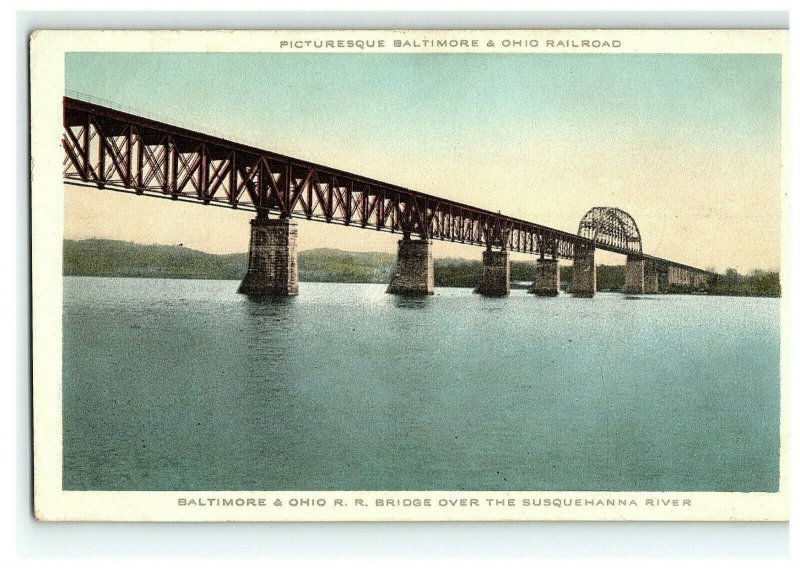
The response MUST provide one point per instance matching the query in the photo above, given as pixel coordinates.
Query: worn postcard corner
(409, 275)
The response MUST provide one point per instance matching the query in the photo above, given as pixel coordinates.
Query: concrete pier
(650, 277)
(495, 274)
(413, 272)
(663, 279)
(634, 275)
(272, 260)
(584, 276)
(546, 278)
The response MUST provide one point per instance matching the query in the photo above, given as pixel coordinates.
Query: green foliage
(331, 265)
(610, 278)
(96, 257)
(456, 273)
(757, 283)
(523, 271)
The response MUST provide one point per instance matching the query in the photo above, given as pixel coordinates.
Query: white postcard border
(52, 503)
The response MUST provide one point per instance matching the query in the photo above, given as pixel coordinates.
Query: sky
(689, 145)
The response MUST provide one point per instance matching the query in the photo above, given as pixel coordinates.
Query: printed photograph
(450, 271)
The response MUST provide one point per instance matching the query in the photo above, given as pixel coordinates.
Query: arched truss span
(611, 227)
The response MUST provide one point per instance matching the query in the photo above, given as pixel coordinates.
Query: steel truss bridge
(108, 148)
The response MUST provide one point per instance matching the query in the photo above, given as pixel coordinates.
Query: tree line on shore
(99, 257)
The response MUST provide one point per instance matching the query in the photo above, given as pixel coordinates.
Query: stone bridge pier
(584, 275)
(272, 258)
(413, 271)
(634, 275)
(650, 277)
(495, 274)
(663, 279)
(546, 278)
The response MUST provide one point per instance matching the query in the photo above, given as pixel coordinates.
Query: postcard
(409, 275)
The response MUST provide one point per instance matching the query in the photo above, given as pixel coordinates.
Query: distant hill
(333, 265)
(98, 257)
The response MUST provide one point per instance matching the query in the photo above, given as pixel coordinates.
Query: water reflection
(410, 302)
(271, 300)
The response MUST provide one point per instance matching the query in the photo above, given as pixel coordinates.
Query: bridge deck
(108, 148)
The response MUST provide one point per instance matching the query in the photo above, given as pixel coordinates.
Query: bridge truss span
(612, 229)
(110, 149)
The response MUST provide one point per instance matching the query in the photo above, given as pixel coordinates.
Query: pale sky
(689, 145)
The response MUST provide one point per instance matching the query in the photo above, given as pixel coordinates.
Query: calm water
(178, 384)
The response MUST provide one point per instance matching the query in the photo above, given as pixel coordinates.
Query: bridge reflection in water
(110, 149)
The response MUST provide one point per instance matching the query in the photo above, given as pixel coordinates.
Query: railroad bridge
(110, 149)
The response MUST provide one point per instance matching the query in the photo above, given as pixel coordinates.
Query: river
(185, 385)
